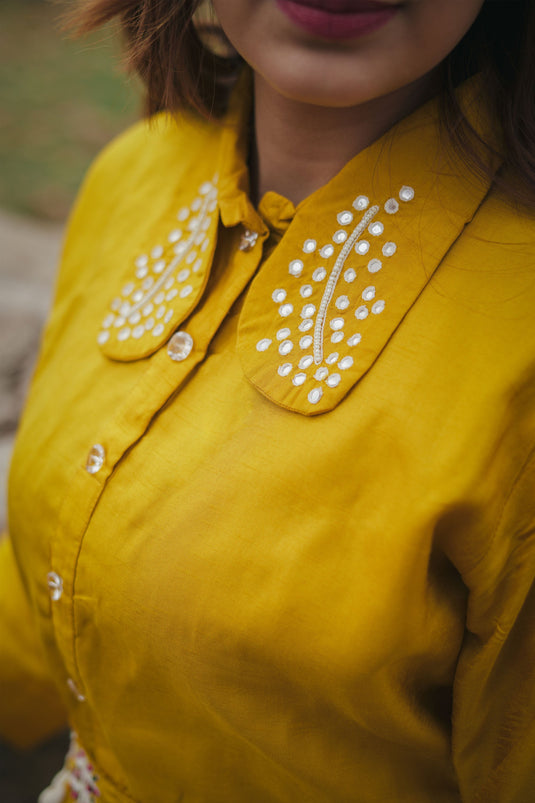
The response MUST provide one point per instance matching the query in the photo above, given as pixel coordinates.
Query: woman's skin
(320, 101)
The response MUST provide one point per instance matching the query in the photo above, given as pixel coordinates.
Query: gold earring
(210, 32)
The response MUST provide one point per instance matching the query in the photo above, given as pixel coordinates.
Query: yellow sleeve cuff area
(30, 707)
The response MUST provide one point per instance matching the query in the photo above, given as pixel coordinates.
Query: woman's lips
(346, 6)
(338, 19)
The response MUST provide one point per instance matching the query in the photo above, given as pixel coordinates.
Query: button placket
(165, 371)
(155, 386)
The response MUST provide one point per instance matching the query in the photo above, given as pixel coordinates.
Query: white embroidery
(315, 395)
(295, 267)
(362, 247)
(391, 206)
(286, 310)
(333, 280)
(317, 320)
(155, 274)
(378, 307)
(406, 194)
(361, 203)
(76, 781)
(278, 296)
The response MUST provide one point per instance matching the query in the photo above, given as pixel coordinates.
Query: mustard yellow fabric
(271, 594)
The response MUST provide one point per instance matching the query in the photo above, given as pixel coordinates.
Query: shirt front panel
(228, 546)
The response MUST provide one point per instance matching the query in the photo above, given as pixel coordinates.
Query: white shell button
(55, 585)
(180, 346)
(95, 458)
(74, 690)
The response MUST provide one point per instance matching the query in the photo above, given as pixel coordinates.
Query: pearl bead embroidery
(161, 278)
(406, 194)
(354, 339)
(337, 323)
(333, 380)
(339, 236)
(323, 279)
(378, 307)
(362, 247)
(361, 203)
(344, 218)
(315, 395)
(374, 265)
(160, 275)
(305, 325)
(342, 302)
(376, 228)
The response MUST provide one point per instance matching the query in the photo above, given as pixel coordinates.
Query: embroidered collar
(352, 262)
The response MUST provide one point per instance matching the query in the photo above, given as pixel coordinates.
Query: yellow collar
(351, 264)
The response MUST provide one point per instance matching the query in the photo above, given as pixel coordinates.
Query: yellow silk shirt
(272, 500)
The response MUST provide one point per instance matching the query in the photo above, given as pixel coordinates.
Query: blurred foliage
(61, 100)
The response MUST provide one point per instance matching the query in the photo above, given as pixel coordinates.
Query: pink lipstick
(338, 19)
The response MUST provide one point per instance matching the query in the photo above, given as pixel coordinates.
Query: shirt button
(74, 689)
(55, 584)
(180, 346)
(95, 459)
(248, 240)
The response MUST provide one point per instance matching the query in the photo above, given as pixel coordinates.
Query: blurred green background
(61, 100)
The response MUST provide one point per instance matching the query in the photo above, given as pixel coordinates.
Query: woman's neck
(298, 148)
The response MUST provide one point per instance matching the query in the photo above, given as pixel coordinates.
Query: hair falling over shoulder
(164, 47)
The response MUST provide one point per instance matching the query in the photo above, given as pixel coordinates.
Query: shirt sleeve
(494, 692)
(30, 707)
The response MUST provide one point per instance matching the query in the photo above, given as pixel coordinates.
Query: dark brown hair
(164, 47)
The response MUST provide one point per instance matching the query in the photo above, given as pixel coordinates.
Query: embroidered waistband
(75, 781)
